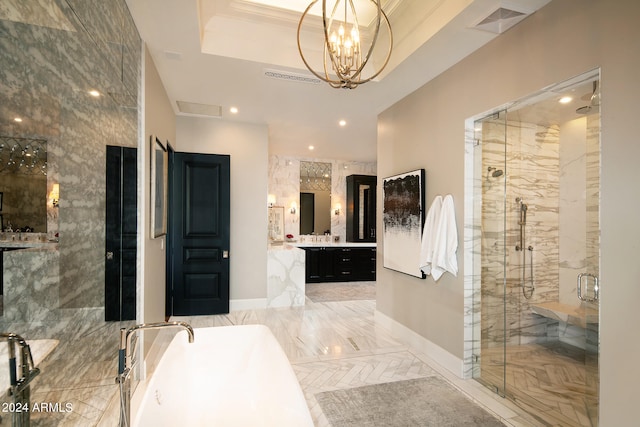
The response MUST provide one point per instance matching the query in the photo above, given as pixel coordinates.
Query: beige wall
(248, 147)
(160, 121)
(426, 130)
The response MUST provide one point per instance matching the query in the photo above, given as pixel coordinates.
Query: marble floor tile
(331, 345)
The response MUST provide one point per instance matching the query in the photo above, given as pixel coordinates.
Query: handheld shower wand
(522, 222)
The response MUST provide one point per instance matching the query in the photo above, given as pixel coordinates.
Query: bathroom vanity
(346, 262)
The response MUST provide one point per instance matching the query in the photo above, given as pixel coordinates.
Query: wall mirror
(315, 198)
(23, 182)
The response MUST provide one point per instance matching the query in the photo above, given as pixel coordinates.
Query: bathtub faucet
(21, 378)
(125, 362)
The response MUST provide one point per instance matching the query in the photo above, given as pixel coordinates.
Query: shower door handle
(596, 287)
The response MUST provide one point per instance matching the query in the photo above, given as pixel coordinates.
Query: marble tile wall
(285, 276)
(573, 172)
(284, 184)
(31, 285)
(52, 54)
(473, 180)
(561, 186)
(561, 189)
(532, 173)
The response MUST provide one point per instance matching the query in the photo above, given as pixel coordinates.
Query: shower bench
(577, 316)
(581, 324)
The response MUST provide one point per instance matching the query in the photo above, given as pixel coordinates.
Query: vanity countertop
(282, 247)
(334, 245)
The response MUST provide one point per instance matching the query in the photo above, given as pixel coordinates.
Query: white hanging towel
(429, 234)
(446, 244)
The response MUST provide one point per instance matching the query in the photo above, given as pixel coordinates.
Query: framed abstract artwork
(403, 220)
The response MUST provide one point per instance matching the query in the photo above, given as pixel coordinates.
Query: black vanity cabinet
(339, 264)
(361, 208)
(320, 264)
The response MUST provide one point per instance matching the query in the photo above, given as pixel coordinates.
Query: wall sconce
(271, 200)
(294, 207)
(55, 195)
(337, 209)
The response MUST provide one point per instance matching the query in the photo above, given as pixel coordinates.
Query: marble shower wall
(52, 52)
(284, 184)
(559, 182)
(532, 173)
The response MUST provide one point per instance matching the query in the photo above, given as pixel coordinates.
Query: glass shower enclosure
(536, 289)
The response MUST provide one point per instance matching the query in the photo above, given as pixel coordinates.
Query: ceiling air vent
(200, 109)
(292, 77)
(501, 20)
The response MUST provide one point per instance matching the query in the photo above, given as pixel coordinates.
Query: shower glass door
(490, 134)
(537, 253)
(553, 253)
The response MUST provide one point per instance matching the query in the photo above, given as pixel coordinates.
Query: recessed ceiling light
(18, 120)
(94, 93)
(233, 110)
(311, 147)
(342, 122)
(565, 100)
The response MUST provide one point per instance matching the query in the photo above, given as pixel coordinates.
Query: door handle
(109, 255)
(225, 254)
(596, 287)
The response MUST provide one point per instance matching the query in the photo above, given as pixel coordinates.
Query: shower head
(594, 104)
(495, 172)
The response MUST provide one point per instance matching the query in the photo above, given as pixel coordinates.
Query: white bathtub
(229, 376)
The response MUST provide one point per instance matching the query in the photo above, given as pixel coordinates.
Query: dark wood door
(121, 233)
(199, 234)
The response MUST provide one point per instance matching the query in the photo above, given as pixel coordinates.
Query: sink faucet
(125, 362)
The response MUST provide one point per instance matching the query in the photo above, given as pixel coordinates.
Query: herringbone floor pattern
(555, 381)
(332, 345)
(316, 377)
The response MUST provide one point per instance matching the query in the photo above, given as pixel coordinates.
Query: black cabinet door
(320, 265)
(361, 208)
(121, 223)
(313, 271)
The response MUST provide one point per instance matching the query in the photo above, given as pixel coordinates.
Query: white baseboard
(247, 304)
(436, 353)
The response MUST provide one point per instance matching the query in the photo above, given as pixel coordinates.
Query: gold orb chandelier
(344, 56)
